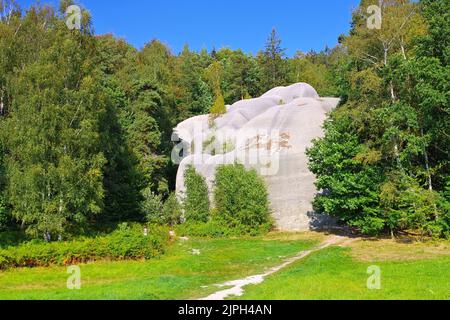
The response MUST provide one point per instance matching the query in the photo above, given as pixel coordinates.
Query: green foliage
(406, 205)
(86, 121)
(152, 207)
(11, 238)
(172, 211)
(383, 163)
(317, 69)
(211, 229)
(350, 186)
(196, 203)
(444, 220)
(124, 244)
(218, 229)
(4, 215)
(241, 198)
(218, 108)
(241, 76)
(273, 63)
(54, 156)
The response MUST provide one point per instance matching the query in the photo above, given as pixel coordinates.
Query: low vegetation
(241, 205)
(241, 198)
(124, 244)
(196, 204)
(188, 270)
(335, 274)
(191, 268)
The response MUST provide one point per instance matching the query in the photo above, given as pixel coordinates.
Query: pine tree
(273, 63)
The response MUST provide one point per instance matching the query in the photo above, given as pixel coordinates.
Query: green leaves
(54, 159)
(273, 64)
(126, 243)
(218, 108)
(241, 198)
(172, 211)
(196, 203)
(383, 162)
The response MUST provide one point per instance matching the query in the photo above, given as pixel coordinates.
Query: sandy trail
(237, 286)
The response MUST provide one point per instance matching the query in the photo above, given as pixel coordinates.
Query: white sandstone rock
(269, 134)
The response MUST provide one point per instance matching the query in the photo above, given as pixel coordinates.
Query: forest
(86, 123)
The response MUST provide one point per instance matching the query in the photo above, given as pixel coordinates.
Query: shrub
(172, 211)
(11, 238)
(211, 229)
(124, 244)
(196, 204)
(4, 214)
(241, 198)
(444, 219)
(152, 207)
(218, 107)
(217, 229)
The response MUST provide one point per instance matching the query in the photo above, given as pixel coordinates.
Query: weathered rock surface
(269, 134)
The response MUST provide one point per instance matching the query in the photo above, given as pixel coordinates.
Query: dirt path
(237, 286)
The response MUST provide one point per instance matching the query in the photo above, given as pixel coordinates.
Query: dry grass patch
(318, 237)
(398, 250)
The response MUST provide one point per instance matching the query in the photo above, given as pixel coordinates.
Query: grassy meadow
(191, 268)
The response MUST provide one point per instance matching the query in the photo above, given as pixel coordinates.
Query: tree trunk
(391, 85)
(1, 102)
(403, 50)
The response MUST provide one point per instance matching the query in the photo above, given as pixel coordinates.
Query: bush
(11, 238)
(172, 211)
(124, 244)
(4, 215)
(217, 229)
(212, 229)
(241, 198)
(196, 204)
(218, 107)
(152, 207)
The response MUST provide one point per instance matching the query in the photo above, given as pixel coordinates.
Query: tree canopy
(86, 120)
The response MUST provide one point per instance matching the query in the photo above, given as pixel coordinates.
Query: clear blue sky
(246, 24)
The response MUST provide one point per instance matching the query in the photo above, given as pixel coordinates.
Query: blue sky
(246, 24)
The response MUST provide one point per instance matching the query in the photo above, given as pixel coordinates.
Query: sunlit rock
(269, 134)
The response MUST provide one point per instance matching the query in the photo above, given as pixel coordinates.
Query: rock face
(269, 134)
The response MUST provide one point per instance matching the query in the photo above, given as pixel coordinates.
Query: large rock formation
(269, 134)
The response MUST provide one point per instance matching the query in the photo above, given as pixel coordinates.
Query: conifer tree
(273, 64)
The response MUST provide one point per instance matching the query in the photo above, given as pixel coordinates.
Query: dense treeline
(86, 121)
(384, 163)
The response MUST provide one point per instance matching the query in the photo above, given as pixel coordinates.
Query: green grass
(408, 271)
(334, 274)
(178, 275)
